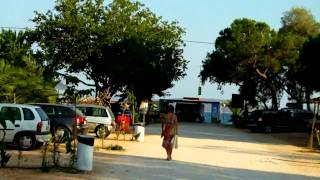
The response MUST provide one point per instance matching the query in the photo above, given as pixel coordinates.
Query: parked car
(288, 119)
(64, 120)
(241, 120)
(262, 120)
(302, 117)
(26, 125)
(100, 119)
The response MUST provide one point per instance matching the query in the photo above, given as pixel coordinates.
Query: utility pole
(199, 87)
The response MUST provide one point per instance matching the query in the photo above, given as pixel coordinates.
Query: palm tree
(21, 79)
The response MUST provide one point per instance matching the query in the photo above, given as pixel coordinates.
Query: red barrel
(123, 122)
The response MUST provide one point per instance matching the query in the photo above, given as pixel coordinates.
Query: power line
(12, 27)
(199, 42)
(188, 41)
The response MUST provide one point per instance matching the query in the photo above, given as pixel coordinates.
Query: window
(11, 113)
(64, 111)
(49, 110)
(94, 111)
(89, 111)
(99, 112)
(82, 109)
(28, 114)
(42, 114)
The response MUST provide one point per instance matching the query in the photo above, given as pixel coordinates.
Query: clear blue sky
(202, 20)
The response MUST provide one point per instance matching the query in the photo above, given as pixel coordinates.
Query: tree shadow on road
(231, 133)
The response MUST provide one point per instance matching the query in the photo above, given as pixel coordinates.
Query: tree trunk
(274, 98)
(97, 89)
(308, 99)
(272, 88)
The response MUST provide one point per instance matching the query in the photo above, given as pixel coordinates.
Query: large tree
(243, 55)
(298, 24)
(309, 59)
(21, 79)
(119, 47)
(300, 21)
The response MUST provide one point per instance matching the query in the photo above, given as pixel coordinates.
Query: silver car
(100, 119)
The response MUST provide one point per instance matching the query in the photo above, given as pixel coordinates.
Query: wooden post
(316, 110)
(143, 119)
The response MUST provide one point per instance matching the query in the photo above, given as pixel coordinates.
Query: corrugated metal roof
(192, 99)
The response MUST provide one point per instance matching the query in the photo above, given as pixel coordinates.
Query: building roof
(193, 99)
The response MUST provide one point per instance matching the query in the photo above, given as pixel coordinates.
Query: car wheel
(100, 130)
(268, 128)
(61, 134)
(197, 119)
(26, 141)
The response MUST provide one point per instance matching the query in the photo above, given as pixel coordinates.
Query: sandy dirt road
(205, 152)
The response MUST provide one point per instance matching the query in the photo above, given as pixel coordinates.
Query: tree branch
(261, 74)
(77, 79)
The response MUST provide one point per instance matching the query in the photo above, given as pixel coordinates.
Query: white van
(25, 125)
(99, 118)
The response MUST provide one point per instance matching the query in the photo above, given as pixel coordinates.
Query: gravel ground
(205, 152)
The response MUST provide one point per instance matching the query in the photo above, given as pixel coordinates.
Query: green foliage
(131, 98)
(70, 149)
(52, 143)
(300, 21)
(137, 117)
(21, 78)
(3, 120)
(264, 63)
(103, 135)
(118, 47)
(309, 64)
(3, 154)
(243, 56)
(45, 162)
(298, 24)
(5, 115)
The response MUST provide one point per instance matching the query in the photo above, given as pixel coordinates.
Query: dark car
(241, 120)
(64, 120)
(284, 119)
(263, 120)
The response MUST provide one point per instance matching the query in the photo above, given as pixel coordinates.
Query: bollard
(85, 152)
